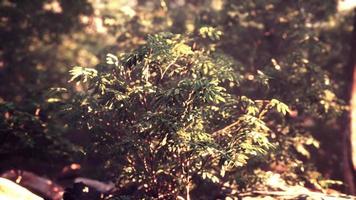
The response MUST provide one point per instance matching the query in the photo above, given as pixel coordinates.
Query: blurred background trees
(296, 51)
(31, 37)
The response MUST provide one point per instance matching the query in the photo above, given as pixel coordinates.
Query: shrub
(168, 112)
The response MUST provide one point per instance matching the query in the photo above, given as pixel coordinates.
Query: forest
(177, 99)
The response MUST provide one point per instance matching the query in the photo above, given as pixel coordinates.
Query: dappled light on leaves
(179, 99)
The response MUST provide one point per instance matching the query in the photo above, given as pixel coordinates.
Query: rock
(40, 185)
(11, 191)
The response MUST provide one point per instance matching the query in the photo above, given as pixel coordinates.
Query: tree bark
(349, 134)
(353, 121)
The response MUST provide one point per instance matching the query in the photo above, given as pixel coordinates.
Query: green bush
(168, 112)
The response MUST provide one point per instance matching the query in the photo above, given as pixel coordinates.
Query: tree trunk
(349, 134)
(353, 120)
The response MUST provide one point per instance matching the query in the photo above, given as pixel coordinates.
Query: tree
(349, 157)
(27, 29)
(30, 32)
